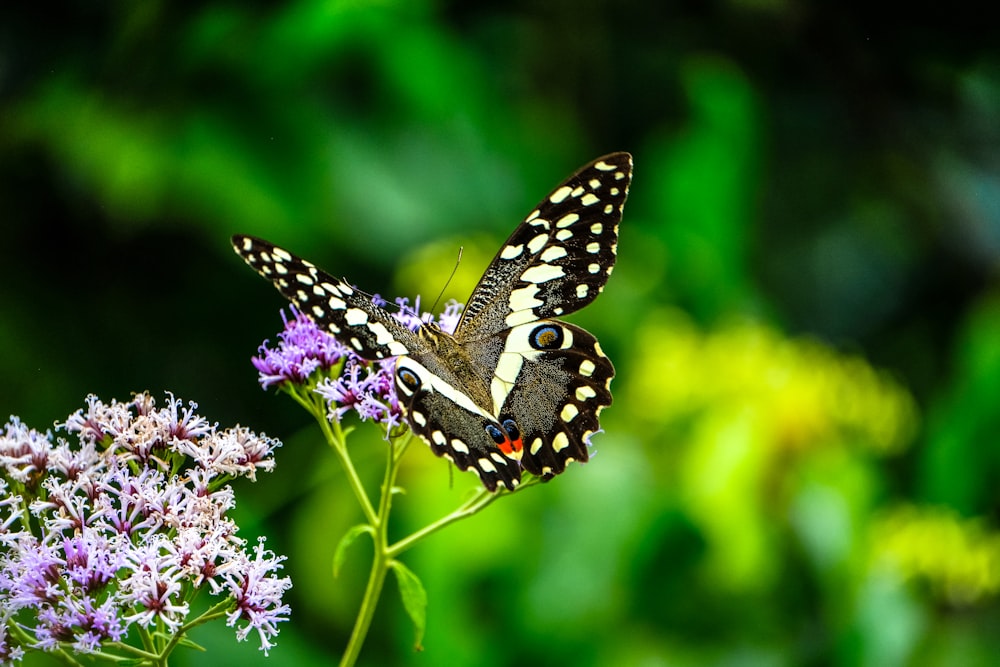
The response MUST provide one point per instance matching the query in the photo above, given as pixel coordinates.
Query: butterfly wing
(547, 380)
(559, 259)
(454, 426)
(552, 379)
(333, 304)
(428, 390)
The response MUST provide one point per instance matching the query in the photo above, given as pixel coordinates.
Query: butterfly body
(513, 387)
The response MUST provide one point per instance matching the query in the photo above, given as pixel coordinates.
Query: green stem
(337, 439)
(381, 560)
(217, 611)
(481, 500)
(146, 638)
(335, 436)
(473, 505)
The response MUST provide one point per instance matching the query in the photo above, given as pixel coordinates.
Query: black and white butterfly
(512, 387)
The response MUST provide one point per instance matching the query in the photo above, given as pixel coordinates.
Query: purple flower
(257, 594)
(351, 384)
(24, 452)
(303, 348)
(127, 516)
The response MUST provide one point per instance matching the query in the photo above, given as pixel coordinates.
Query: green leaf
(346, 541)
(414, 600)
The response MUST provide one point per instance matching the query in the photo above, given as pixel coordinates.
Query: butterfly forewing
(559, 259)
(333, 304)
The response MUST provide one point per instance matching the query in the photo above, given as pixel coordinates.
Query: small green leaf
(414, 600)
(346, 541)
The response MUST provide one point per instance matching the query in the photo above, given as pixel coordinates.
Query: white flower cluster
(108, 532)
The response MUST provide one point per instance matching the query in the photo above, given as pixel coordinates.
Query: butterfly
(512, 388)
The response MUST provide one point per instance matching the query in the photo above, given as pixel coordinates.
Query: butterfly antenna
(454, 270)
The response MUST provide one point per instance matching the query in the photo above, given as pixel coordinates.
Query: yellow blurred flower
(749, 425)
(959, 557)
(808, 394)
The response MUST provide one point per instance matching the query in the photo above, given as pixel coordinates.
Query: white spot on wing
(355, 316)
(524, 298)
(587, 368)
(511, 251)
(504, 377)
(543, 273)
(569, 411)
(581, 290)
(396, 348)
(569, 218)
(383, 337)
(560, 442)
(553, 253)
(559, 195)
(537, 243)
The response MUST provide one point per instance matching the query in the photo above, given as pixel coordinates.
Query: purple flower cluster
(349, 383)
(302, 349)
(121, 521)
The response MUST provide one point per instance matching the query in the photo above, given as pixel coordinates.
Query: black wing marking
(453, 425)
(333, 304)
(553, 380)
(559, 258)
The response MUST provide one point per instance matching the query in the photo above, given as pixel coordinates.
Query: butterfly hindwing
(333, 304)
(559, 259)
(552, 379)
(452, 424)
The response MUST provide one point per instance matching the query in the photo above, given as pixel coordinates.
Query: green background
(801, 464)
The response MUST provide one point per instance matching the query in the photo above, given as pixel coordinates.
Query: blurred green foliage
(801, 464)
